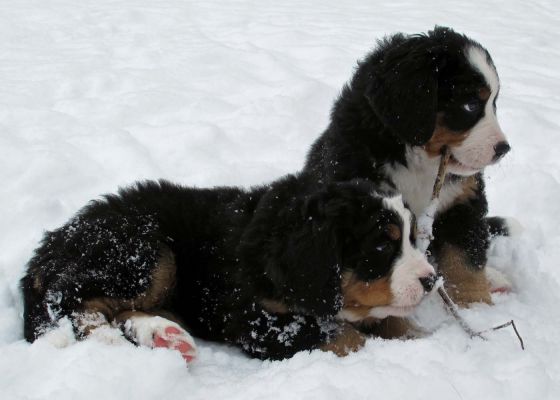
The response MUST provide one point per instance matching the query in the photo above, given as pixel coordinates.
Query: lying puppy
(408, 98)
(274, 270)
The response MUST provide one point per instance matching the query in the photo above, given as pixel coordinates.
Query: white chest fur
(416, 181)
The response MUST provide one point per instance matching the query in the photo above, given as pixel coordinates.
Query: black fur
(232, 248)
(392, 102)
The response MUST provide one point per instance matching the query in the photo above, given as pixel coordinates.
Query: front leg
(391, 328)
(278, 335)
(461, 239)
(345, 340)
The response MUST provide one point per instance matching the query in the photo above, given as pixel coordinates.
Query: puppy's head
(435, 90)
(382, 273)
(342, 250)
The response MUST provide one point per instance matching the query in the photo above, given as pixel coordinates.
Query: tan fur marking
(275, 306)
(88, 321)
(470, 187)
(393, 231)
(463, 284)
(443, 136)
(358, 294)
(163, 279)
(348, 340)
(37, 283)
(126, 315)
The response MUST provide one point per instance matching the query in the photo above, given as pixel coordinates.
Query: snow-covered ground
(97, 94)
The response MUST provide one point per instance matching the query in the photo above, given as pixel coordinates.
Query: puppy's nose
(500, 150)
(428, 282)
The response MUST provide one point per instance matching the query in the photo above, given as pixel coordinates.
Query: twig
(424, 238)
(445, 156)
(452, 308)
(426, 220)
(512, 324)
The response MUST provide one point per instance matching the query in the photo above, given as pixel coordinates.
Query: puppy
(274, 270)
(410, 97)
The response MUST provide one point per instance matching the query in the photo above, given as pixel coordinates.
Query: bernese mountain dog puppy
(410, 97)
(274, 270)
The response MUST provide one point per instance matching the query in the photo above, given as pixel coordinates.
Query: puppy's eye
(472, 106)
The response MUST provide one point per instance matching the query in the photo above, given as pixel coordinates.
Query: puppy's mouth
(461, 168)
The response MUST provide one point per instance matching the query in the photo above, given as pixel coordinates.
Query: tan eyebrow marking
(484, 93)
(393, 231)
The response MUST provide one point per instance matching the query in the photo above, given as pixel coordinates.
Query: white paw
(160, 332)
(499, 283)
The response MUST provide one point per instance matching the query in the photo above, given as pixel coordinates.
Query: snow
(98, 94)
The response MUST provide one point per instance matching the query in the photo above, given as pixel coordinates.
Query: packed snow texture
(98, 94)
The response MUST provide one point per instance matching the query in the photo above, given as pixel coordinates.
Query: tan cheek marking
(443, 136)
(360, 296)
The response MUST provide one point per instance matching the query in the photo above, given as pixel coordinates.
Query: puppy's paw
(498, 282)
(175, 338)
(346, 341)
(155, 332)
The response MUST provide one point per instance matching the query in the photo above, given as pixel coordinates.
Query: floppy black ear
(289, 253)
(309, 268)
(326, 204)
(402, 88)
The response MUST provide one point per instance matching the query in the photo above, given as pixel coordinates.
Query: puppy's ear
(334, 203)
(322, 205)
(288, 252)
(402, 88)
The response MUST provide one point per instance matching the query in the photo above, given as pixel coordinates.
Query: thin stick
(449, 304)
(445, 156)
(425, 221)
(452, 308)
(512, 324)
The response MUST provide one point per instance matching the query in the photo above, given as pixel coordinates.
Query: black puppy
(408, 98)
(274, 270)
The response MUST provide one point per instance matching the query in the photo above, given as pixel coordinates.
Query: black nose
(428, 282)
(500, 150)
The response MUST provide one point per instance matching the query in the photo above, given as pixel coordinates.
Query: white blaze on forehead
(479, 60)
(396, 204)
(409, 267)
(478, 149)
